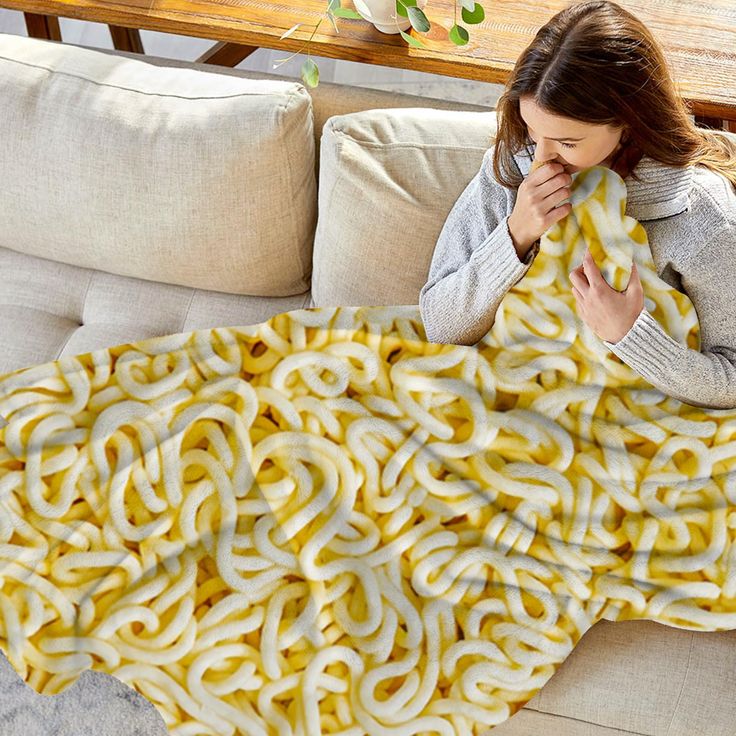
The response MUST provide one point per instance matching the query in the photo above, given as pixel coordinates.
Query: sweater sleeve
(474, 263)
(705, 378)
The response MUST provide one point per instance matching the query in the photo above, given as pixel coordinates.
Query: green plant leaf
(458, 35)
(412, 41)
(419, 21)
(347, 13)
(402, 5)
(310, 73)
(473, 15)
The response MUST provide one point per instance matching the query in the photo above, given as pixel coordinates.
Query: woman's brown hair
(597, 63)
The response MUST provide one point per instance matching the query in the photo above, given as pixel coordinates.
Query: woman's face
(596, 144)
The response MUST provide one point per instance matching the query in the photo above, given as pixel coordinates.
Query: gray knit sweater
(689, 214)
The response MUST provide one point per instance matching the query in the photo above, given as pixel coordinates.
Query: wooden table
(699, 38)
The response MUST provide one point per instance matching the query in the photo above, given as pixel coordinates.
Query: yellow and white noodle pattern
(326, 524)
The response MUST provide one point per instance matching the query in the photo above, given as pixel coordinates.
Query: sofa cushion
(387, 181)
(161, 173)
(637, 677)
(328, 98)
(50, 309)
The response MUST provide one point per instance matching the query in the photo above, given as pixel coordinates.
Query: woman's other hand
(608, 312)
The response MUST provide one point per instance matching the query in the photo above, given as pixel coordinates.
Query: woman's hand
(609, 313)
(536, 208)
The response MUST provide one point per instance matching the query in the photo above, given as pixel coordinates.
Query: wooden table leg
(126, 39)
(702, 121)
(43, 26)
(226, 54)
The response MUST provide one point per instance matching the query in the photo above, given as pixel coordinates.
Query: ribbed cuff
(504, 266)
(647, 348)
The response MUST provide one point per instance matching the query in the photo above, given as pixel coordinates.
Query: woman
(593, 88)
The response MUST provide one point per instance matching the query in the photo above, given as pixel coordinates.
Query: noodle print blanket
(326, 524)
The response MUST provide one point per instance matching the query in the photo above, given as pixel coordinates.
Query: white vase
(379, 13)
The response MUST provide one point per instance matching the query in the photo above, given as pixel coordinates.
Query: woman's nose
(545, 151)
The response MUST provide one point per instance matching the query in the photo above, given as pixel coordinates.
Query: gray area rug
(96, 703)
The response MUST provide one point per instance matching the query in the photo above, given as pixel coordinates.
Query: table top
(699, 37)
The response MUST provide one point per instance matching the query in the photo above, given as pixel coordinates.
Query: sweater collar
(664, 190)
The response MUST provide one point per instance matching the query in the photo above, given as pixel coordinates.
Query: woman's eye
(566, 145)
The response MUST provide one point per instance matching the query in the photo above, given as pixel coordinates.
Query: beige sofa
(144, 196)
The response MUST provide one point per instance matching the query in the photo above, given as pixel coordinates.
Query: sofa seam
(294, 191)
(335, 180)
(67, 337)
(142, 92)
(682, 685)
(72, 330)
(86, 294)
(585, 720)
(410, 144)
(188, 310)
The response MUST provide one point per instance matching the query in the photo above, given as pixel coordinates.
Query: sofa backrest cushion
(166, 174)
(328, 98)
(388, 179)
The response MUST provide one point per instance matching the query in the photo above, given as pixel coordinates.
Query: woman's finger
(578, 279)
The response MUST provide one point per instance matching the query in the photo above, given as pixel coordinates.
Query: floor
(100, 704)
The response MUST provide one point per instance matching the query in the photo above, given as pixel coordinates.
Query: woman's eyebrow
(559, 139)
